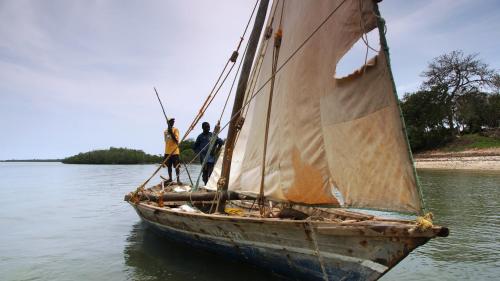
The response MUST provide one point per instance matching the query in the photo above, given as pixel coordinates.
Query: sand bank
(486, 160)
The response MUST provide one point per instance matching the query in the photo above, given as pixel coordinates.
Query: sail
(338, 142)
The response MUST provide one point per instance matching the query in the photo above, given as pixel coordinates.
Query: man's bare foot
(165, 179)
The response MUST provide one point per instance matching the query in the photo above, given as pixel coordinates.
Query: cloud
(77, 75)
(422, 30)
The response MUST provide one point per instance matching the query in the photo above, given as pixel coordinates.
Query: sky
(79, 75)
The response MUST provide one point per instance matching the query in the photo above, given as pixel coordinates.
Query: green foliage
(188, 155)
(472, 141)
(187, 151)
(427, 120)
(461, 77)
(425, 116)
(452, 102)
(113, 155)
(187, 144)
(476, 111)
(491, 113)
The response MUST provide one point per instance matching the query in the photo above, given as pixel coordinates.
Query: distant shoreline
(479, 160)
(32, 160)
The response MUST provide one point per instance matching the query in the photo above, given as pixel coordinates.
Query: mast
(223, 183)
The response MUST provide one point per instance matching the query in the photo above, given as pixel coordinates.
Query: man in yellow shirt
(172, 149)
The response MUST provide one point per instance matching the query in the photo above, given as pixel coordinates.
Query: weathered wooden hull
(301, 250)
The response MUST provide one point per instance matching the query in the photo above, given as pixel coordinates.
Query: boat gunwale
(381, 228)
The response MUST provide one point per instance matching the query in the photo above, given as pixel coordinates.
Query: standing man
(172, 149)
(202, 145)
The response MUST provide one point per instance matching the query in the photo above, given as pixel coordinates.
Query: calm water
(69, 222)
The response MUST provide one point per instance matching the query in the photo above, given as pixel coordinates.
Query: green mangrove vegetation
(115, 155)
(457, 106)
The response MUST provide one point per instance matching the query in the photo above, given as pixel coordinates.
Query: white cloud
(81, 73)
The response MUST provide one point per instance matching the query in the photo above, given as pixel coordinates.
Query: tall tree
(472, 110)
(458, 74)
(424, 114)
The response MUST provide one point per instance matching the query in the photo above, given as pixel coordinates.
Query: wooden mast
(238, 101)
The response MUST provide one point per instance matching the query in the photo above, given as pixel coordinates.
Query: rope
(207, 101)
(245, 104)
(281, 16)
(231, 59)
(276, 50)
(424, 222)
(253, 82)
(291, 56)
(248, 23)
(258, 90)
(364, 36)
(212, 141)
(232, 84)
(316, 249)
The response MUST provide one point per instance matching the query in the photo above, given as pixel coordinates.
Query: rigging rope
(232, 84)
(141, 187)
(316, 248)
(208, 101)
(245, 104)
(364, 36)
(276, 50)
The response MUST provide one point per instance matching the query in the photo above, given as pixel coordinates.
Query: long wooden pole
(238, 101)
(161, 104)
(173, 137)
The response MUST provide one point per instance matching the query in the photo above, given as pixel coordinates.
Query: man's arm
(219, 143)
(217, 147)
(197, 145)
(174, 134)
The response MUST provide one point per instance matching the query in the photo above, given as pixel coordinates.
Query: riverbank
(476, 159)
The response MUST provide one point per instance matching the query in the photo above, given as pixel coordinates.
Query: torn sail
(331, 141)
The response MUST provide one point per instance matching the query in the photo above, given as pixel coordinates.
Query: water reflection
(470, 210)
(152, 257)
(468, 203)
(72, 224)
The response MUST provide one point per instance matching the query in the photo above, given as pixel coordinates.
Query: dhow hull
(298, 250)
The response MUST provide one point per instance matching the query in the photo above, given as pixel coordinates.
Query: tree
(425, 116)
(472, 110)
(457, 74)
(492, 111)
(496, 83)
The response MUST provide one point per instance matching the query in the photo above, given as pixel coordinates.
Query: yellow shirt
(171, 146)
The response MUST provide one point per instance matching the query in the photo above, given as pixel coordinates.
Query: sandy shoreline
(484, 160)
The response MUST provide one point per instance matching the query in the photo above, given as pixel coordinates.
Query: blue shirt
(202, 144)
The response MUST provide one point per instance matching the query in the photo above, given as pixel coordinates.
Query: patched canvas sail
(331, 141)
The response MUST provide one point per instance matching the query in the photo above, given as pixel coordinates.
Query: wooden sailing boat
(302, 148)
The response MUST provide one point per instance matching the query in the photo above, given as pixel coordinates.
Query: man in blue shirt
(202, 144)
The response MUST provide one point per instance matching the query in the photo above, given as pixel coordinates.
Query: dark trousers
(207, 171)
(175, 162)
